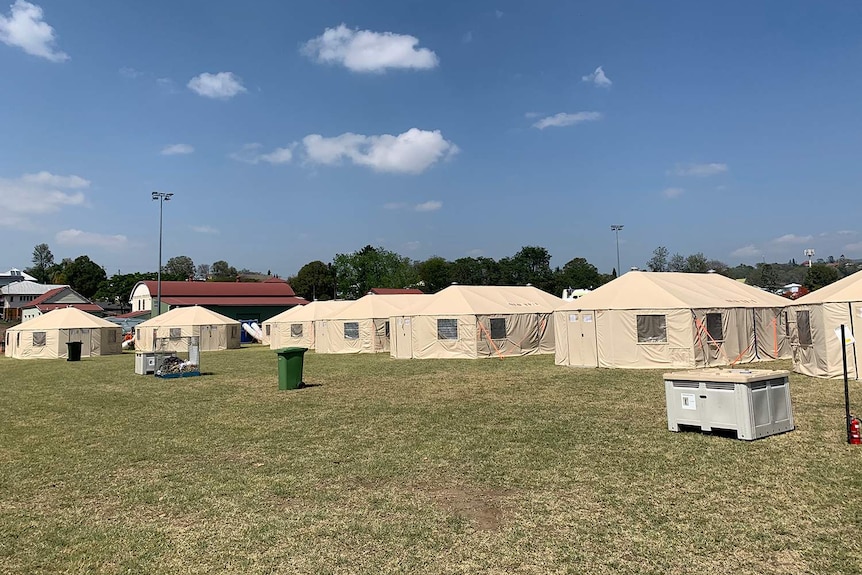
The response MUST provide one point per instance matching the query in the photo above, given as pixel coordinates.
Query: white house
(14, 275)
(17, 295)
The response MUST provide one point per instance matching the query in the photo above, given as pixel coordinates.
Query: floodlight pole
(162, 197)
(616, 229)
(809, 252)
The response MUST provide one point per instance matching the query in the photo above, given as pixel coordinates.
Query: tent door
(403, 340)
(589, 355)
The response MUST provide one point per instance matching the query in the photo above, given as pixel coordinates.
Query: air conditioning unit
(753, 402)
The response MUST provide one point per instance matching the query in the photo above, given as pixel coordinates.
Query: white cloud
(221, 86)
(498, 14)
(73, 237)
(698, 170)
(430, 206)
(748, 251)
(853, 249)
(564, 119)
(25, 29)
(412, 246)
(671, 193)
(598, 78)
(367, 51)
(204, 229)
(394, 206)
(846, 232)
(412, 152)
(40, 193)
(475, 253)
(129, 72)
(792, 239)
(531, 115)
(177, 149)
(251, 154)
(467, 37)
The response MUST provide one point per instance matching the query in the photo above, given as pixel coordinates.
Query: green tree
(179, 268)
(203, 271)
(313, 281)
(479, 271)
(85, 276)
(43, 261)
(222, 271)
(370, 267)
(696, 264)
(820, 275)
(434, 273)
(531, 265)
(118, 288)
(577, 273)
(764, 276)
(676, 263)
(658, 261)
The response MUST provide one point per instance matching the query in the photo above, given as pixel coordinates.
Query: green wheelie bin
(290, 367)
(73, 351)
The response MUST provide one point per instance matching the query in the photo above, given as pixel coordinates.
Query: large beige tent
(659, 320)
(363, 326)
(171, 331)
(815, 322)
(45, 336)
(295, 327)
(477, 321)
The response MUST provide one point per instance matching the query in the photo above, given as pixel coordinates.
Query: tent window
(652, 329)
(447, 329)
(351, 330)
(267, 326)
(803, 325)
(38, 339)
(137, 334)
(713, 326)
(498, 328)
(387, 328)
(234, 331)
(176, 332)
(112, 336)
(295, 330)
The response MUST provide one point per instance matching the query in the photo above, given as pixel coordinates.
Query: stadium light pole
(616, 229)
(162, 197)
(809, 252)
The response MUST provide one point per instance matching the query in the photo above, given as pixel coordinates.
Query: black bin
(73, 349)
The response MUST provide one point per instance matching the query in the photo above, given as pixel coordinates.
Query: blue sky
(291, 131)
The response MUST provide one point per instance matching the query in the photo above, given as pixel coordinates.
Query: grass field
(385, 466)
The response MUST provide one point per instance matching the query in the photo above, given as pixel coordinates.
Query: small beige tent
(45, 336)
(477, 321)
(815, 323)
(295, 327)
(659, 320)
(363, 326)
(171, 331)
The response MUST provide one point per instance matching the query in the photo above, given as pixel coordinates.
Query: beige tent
(659, 320)
(815, 322)
(45, 336)
(477, 321)
(171, 331)
(295, 327)
(363, 326)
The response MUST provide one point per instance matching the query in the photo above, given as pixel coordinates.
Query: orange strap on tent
(738, 357)
(718, 346)
(775, 337)
(488, 337)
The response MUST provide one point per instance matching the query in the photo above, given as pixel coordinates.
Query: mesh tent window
(447, 329)
(176, 333)
(803, 325)
(498, 328)
(267, 328)
(295, 330)
(38, 339)
(652, 329)
(713, 326)
(351, 330)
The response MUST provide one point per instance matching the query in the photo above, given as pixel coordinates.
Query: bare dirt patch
(481, 506)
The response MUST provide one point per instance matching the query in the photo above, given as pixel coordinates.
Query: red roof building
(59, 297)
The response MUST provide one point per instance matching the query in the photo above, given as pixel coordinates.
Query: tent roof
(483, 300)
(379, 306)
(844, 290)
(193, 315)
(311, 312)
(63, 318)
(674, 290)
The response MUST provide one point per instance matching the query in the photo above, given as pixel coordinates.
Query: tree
(85, 276)
(371, 267)
(696, 264)
(118, 288)
(480, 271)
(764, 276)
(676, 263)
(313, 281)
(658, 261)
(434, 273)
(577, 273)
(717, 266)
(222, 271)
(203, 271)
(43, 261)
(820, 275)
(179, 268)
(531, 265)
